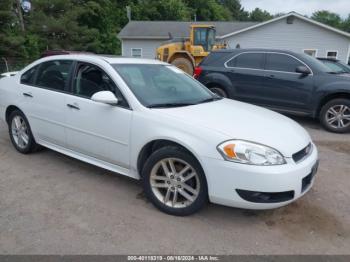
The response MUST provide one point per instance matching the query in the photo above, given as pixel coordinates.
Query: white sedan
(148, 120)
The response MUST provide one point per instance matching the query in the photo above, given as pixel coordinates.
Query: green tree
(56, 22)
(102, 16)
(160, 10)
(259, 15)
(209, 10)
(6, 15)
(346, 24)
(92, 25)
(237, 11)
(327, 18)
(10, 39)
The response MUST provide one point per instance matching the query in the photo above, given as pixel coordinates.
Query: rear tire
(219, 91)
(183, 64)
(20, 133)
(174, 181)
(335, 115)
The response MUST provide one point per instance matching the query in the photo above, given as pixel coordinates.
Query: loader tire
(184, 64)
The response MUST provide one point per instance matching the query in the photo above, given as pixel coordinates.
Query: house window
(310, 52)
(136, 52)
(332, 54)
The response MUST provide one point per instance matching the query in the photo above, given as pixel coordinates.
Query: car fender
(154, 128)
(216, 78)
(324, 91)
(340, 85)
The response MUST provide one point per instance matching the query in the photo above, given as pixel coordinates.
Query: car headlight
(245, 152)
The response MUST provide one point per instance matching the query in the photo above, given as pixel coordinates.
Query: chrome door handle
(76, 107)
(28, 95)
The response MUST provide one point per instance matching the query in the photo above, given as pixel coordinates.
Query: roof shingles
(161, 29)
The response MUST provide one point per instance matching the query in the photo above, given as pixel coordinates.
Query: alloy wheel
(20, 132)
(338, 116)
(175, 183)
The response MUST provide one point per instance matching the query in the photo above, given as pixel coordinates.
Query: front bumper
(225, 178)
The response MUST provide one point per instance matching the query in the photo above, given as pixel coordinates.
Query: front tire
(335, 115)
(20, 133)
(174, 181)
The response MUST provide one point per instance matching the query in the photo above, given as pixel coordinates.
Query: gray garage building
(291, 31)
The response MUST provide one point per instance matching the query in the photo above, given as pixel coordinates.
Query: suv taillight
(197, 72)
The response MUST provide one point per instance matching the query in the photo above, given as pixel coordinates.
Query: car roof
(107, 58)
(241, 50)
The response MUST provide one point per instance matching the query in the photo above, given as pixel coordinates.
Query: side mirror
(303, 70)
(105, 97)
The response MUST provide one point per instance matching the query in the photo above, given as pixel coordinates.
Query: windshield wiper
(178, 104)
(165, 105)
(211, 99)
(336, 72)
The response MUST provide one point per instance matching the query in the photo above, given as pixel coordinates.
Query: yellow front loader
(186, 54)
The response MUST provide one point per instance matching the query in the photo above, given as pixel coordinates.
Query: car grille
(302, 154)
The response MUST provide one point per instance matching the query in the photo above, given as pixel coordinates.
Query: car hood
(339, 76)
(344, 75)
(238, 120)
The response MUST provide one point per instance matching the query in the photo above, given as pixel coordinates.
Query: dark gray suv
(280, 80)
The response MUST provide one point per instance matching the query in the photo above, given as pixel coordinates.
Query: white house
(291, 31)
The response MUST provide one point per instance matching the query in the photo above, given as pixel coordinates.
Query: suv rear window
(247, 60)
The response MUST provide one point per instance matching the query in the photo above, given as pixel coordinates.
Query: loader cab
(203, 36)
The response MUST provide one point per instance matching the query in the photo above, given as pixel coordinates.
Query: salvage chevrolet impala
(148, 120)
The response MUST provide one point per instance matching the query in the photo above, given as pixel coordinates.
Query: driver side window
(90, 79)
(282, 63)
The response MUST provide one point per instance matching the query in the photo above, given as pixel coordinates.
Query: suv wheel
(335, 115)
(20, 133)
(219, 91)
(174, 181)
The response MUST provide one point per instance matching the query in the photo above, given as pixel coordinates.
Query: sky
(304, 7)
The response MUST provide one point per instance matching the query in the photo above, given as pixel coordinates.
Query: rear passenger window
(54, 74)
(28, 77)
(281, 62)
(248, 60)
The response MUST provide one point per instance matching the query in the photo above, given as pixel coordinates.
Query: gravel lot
(53, 204)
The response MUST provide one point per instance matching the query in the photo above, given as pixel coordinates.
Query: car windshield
(334, 66)
(315, 63)
(163, 86)
(345, 67)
